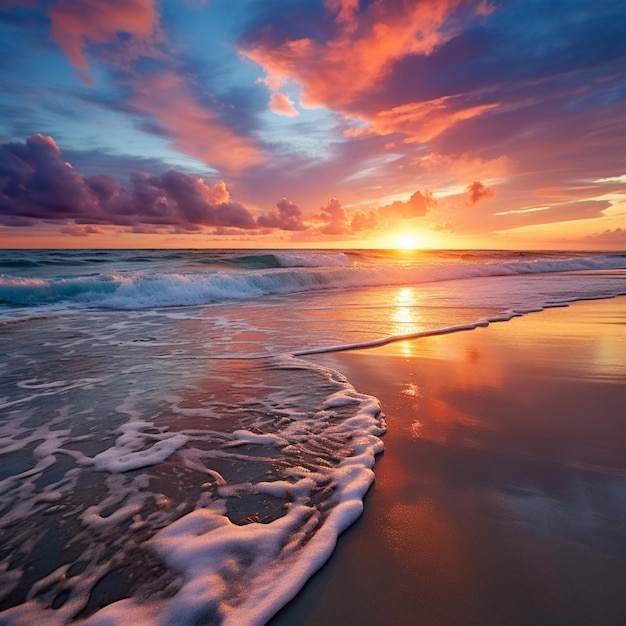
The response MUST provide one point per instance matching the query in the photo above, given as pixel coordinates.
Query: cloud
(130, 26)
(346, 12)
(442, 227)
(282, 105)
(416, 206)
(421, 122)
(609, 237)
(195, 129)
(285, 215)
(37, 184)
(120, 32)
(333, 218)
(465, 166)
(477, 192)
(79, 230)
(364, 47)
(191, 200)
(336, 220)
(365, 220)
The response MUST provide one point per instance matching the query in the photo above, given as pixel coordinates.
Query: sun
(407, 241)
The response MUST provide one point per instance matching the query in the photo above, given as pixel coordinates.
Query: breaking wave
(275, 274)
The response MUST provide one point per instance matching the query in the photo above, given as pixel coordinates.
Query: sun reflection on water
(405, 316)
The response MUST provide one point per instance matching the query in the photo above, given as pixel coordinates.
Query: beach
(500, 497)
(188, 436)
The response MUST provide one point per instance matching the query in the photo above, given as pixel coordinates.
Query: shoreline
(498, 498)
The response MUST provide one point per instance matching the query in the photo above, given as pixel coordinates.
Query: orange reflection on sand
(589, 343)
(439, 547)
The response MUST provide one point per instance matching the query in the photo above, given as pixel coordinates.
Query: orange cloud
(336, 221)
(193, 129)
(365, 220)
(366, 45)
(76, 25)
(417, 205)
(421, 121)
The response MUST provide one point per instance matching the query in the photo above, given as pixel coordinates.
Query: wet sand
(501, 495)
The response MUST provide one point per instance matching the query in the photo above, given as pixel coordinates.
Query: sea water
(167, 453)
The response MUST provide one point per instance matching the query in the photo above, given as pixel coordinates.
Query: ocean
(167, 452)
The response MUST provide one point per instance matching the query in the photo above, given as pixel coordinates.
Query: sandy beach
(501, 495)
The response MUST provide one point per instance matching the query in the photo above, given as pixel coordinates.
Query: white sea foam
(270, 560)
(125, 456)
(242, 437)
(324, 260)
(237, 542)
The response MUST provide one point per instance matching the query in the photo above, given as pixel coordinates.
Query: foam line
(387, 340)
(504, 317)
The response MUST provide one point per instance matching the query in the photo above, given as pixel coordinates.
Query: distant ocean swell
(258, 275)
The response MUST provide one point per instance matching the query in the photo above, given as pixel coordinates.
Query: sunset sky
(304, 123)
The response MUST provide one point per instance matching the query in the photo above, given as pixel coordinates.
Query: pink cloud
(78, 25)
(477, 192)
(333, 218)
(166, 97)
(417, 205)
(282, 105)
(193, 128)
(464, 166)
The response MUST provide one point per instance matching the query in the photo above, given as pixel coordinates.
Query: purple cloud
(37, 184)
(285, 215)
(616, 236)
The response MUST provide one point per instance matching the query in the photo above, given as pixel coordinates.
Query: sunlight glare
(408, 241)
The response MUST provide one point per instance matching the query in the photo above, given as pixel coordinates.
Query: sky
(302, 123)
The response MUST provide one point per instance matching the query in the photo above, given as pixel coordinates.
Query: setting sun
(407, 241)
